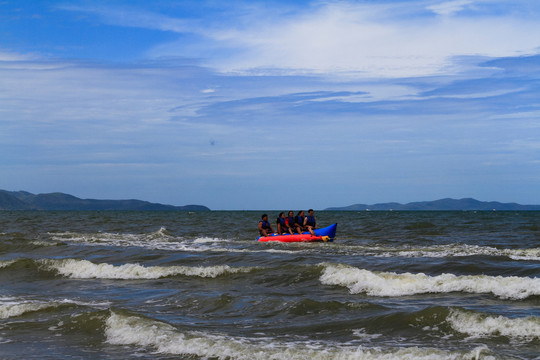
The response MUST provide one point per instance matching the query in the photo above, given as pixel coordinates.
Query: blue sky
(271, 104)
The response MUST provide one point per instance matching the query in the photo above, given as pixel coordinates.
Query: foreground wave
(164, 338)
(440, 320)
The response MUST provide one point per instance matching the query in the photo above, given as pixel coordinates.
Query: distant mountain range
(440, 205)
(22, 200)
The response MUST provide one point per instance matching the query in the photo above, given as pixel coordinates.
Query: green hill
(22, 200)
(440, 205)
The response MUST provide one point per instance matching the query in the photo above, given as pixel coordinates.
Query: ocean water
(180, 285)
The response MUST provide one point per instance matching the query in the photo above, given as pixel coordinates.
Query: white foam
(93, 304)
(10, 309)
(393, 284)
(43, 243)
(441, 251)
(84, 269)
(523, 254)
(204, 240)
(162, 232)
(362, 334)
(481, 325)
(153, 240)
(12, 306)
(6, 263)
(139, 331)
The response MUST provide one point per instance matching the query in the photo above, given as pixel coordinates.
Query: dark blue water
(162, 285)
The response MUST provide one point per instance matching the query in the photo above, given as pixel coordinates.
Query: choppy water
(163, 285)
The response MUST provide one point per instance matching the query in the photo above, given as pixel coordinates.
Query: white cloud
(478, 95)
(364, 40)
(12, 56)
(340, 37)
(449, 7)
(132, 17)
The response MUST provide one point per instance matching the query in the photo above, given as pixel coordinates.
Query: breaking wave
(13, 307)
(393, 284)
(10, 309)
(6, 263)
(84, 269)
(481, 325)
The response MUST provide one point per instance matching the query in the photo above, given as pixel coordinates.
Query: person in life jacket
(265, 229)
(293, 227)
(310, 222)
(299, 221)
(282, 225)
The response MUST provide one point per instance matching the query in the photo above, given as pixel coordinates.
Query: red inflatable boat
(325, 234)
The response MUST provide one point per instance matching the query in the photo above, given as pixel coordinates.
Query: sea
(197, 285)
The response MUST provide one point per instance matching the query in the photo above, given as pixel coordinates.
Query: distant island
(23, 200)
(440, 205)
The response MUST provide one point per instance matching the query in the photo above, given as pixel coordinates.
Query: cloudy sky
(271, 104)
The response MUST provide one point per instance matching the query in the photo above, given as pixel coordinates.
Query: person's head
(282, 214)
(310, 212)
(301, 213)
(264, 217)
(291, 213)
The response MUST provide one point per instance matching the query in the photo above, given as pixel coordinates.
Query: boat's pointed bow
(332, 231)
(329, 231)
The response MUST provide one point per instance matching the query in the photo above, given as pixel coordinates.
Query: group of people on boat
(289, 224)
